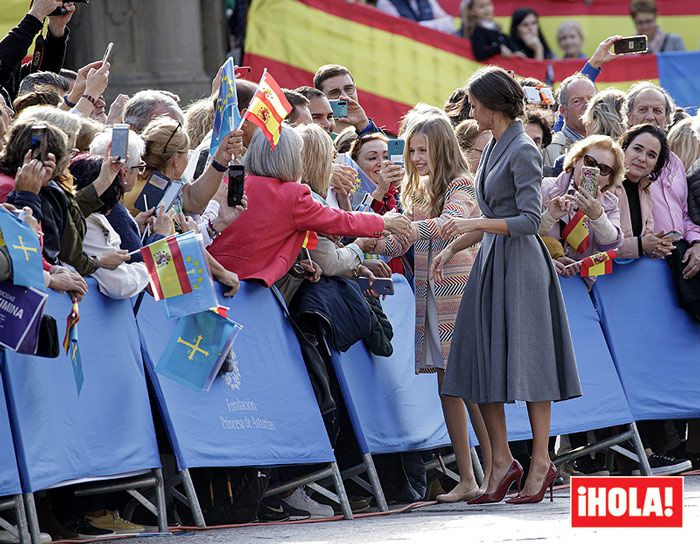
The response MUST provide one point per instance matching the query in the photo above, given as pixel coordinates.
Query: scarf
(423, 13)
(571, 134)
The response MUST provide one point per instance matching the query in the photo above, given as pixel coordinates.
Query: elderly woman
(264, 242)
(563, 197)
(570, 39)
(126, 279)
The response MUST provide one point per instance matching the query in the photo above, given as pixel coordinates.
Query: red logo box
(641, 501)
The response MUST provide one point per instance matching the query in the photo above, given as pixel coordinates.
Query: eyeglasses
(605, 170)
(178, 127)
(141, 168)
(347, 91)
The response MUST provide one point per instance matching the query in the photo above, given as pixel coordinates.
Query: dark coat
(694, 195)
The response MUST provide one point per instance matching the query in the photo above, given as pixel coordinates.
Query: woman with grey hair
(264, 242)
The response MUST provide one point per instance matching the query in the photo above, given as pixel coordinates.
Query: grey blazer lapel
(515, 128)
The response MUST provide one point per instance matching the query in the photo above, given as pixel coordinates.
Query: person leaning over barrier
(264, 242)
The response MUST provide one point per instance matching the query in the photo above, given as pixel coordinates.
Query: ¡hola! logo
(627, 502)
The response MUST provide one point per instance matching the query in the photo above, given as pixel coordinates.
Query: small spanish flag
(71, 322)
(576, 232)
(598, 264)
(268, 108)
(166, 268)
(310, 240)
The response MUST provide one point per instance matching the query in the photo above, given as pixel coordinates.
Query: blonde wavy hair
(316, 158)
(684, 141)
(164, 138)
(199, 120)
(604, 113)
(581, 148)
(445, 163)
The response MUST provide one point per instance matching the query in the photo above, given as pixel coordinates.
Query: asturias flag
(227, 115)
(167, 272)
(576, 232)
(24, 249)
(598, 264)
(268, 108)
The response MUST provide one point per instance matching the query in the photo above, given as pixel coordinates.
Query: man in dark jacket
(50, 52)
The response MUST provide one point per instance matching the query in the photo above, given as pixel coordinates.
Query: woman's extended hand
(396, 223)
(455, 227)
(561, 264)
(439, 262)
(229, 279)
(559, 206)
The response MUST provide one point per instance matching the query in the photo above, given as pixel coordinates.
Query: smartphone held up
(236, 184)
(630, 44)
(38, 142)
(120, 141)
(62, 10)
(589, 179)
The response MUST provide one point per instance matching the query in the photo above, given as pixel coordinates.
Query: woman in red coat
(265, 240)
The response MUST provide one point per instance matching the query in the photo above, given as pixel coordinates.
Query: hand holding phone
(62, 10)
(108, 52)
(671, 235)
(395, 150)
(381, 286)
(236, 185)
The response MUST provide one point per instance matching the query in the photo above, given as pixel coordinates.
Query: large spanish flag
(397, 63)
(167, 272)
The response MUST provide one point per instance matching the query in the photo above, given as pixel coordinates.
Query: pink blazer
(265, 241)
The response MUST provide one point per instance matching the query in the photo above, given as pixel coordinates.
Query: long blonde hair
(316, 158)
(445, 163)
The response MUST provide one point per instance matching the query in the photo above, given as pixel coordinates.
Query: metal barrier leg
(160, 501)
(195, 507)
(32, 518)
(340, 492)
(374, 480)
(478, 469)
(21, 515)
(644, 467)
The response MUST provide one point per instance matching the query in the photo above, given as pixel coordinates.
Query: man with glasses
(336, 82)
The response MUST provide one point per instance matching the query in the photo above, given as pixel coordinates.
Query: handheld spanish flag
(167, 272)
(310, 240)
(576, 232)
(598, 264)
(268, 108)
(70, 344)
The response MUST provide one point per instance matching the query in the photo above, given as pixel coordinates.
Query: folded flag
(24, 249)
(203, 294)
(310, 240)
(268, 108)
(576, 232)
(227, 115)
(197, 349)
(167, 272)
(598, 264)
(70, 344)
(363, 184)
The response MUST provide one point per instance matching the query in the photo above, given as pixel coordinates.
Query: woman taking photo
(646, 151)
(513, 292)
(437, 187)
(371, 154)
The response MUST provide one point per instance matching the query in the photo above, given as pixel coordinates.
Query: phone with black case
(631, 44)
(236, 184)
(38, 142)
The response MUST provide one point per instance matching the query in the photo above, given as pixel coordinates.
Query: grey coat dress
(511, 340)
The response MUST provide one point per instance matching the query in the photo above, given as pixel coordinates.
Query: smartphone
(120, 141)
(589, 179)
(672, 235)
(38, 142)
(395, 149)
(108, 52)
(62, 10)
(382, 286)
(236, 184)
(543, 95)
(153, 192)
(243, 71)
(631, 44)
(340, 108)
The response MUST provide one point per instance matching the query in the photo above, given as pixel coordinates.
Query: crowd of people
(479, 204)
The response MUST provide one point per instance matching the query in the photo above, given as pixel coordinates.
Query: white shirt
(441, 20)
(125, 281)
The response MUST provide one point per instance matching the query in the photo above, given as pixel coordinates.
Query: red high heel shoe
(548, 483)
(514, 474)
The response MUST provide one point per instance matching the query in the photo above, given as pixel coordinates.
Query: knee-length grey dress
(511, 340)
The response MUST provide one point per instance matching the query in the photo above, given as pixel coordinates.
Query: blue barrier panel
(263, 413)
(603, 401)
(392, 409)
(9, 475)
(655, 344)
(108, 429)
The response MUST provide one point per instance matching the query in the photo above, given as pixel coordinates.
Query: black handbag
(315, 365)
(48, 344)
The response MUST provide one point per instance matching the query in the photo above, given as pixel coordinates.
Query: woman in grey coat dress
(511, 339)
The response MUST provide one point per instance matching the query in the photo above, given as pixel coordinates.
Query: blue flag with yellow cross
(24, 249)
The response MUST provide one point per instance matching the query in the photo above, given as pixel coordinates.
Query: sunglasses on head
(605, 170)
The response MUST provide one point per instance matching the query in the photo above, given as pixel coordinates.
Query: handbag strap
(285, 310)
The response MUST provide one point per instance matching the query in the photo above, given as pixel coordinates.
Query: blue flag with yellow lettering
(24, 249)
(203, 294)
(197, 349)
(227, 115)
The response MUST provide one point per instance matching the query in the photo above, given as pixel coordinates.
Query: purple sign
(20, 316)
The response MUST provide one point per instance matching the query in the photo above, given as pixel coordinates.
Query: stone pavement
(499, 523)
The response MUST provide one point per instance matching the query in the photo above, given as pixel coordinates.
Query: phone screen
(340, 108)
(236, 184)
(631, 44)
(38, 142)
(120, 141)
(395, 150)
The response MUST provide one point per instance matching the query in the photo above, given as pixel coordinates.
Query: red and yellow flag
(71, 322)
(268, 108)
(576, 233)
(310, 240)
(598, 264)
(166, 268)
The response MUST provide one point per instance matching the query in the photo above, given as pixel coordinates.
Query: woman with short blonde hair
(604, 114)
